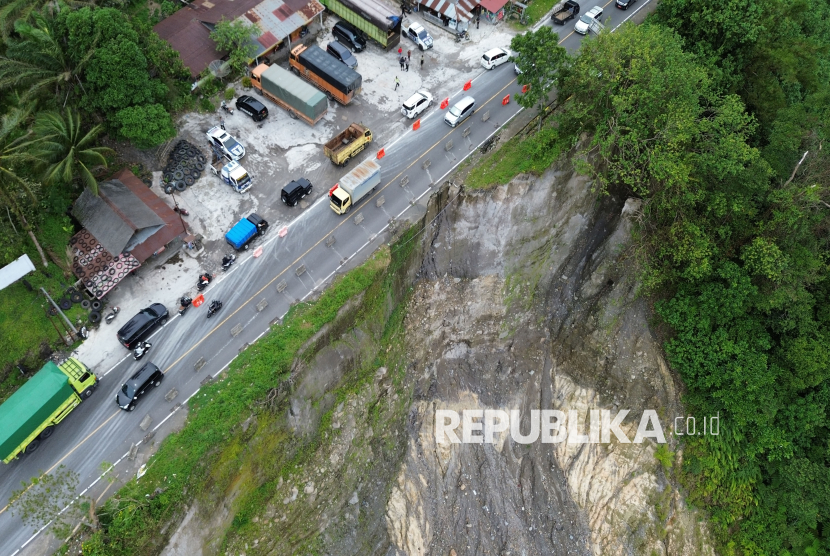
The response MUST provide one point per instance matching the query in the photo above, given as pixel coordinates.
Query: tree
(38, 62)
(51, 498)
(12, 11)
(145, 126)
(15, 191)
(235, 37)
(69, 152)
(540, 60)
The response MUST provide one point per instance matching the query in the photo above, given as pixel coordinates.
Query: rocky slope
(518, 301)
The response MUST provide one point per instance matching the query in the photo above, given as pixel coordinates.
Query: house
(455, 14)
(275, 21)
(123, 226)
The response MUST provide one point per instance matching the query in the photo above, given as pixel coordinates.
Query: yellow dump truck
(347, 144)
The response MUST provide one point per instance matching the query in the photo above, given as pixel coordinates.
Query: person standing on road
(222, 123)
(400, 62)
(422, 61)
(407, 65)
(400, 51)
(397, 82)
(409, 55)
(478, 18)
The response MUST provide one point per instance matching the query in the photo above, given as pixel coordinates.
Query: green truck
(290, 92)
(31, 413)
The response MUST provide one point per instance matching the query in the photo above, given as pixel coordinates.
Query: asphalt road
(257, 291)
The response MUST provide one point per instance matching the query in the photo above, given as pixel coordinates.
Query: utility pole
(58, 309)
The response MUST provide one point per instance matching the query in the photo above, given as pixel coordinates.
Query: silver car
(584, 24)
(460, 111)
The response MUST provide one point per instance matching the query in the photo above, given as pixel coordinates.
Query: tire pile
(184, 167)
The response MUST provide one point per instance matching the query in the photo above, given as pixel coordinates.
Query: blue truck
(245, 230)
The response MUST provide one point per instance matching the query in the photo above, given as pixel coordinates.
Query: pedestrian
(397, 82)
(478, 18)
(400, 51)
(222, 123)
(400, 61)
(408, 55)
(407, 65)
(422, 61)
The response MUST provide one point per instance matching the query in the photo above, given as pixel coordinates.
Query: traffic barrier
(445, 103)
(416, 125)
(198, 300)
(283, 231)
(257, 252)
(525, 88)
(468, 84)
(506, 100)
(381, 153)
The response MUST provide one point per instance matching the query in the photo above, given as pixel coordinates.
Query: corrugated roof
(493, 5)
(103, 222)
(188, 30)
(460, 10)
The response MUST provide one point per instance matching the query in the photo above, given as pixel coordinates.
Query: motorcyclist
(141, 349)
(227, 260)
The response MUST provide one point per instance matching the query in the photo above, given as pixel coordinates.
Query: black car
(294, 191)
(252, 107)
(342, 53)
(623, 4)
(349, 35)
(136, 385)
(142, 325)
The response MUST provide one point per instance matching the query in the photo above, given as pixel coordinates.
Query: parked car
(584, 24)
(347, 34)
(460, 111)
(494, 57)
(148, 375)
(294, 191)
(416, 104)
(623, 4)
(222, 141)
(252, 107)
(342, 53)
(142, 325)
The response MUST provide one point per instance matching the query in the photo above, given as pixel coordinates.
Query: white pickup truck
(222, 141)
(417, 33)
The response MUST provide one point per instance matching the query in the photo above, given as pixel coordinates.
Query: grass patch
(537, 10)
(531, 154)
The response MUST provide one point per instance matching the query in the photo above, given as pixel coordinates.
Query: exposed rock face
(524, 307)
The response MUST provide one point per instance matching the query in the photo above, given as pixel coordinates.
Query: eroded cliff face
(520, 299)
(524, 306)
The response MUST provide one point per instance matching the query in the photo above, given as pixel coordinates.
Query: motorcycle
(184, 304)
(227, 261)
(204, 280)
(214, 306)
(111, 314)
(181, 211)
(224, 106)
(405, 8)
(141, 349)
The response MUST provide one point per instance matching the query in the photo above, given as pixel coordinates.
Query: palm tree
(14, 150)
(38, 62)
(68, 151)
(13, 10)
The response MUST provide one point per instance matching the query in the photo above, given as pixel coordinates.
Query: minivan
(294, 191)
(347, 34)
(252, 107)
(148, 375)
(494, 57)
(460, 111)
(342, 53)
(142, 325)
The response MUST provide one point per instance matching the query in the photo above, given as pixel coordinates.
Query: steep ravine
(518, 301)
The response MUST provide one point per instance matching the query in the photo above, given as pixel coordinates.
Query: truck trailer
(354, 186)
(300, 99)
(336, 79)
(244, 231)
(347, 144)
(373, 17)
(30, 414)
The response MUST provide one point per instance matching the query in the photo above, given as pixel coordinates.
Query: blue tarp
(241, 233)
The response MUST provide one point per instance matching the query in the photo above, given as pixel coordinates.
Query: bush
(246, 82)
(205, 105)
(229, 94)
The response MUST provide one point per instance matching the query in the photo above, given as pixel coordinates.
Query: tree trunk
(34, 240)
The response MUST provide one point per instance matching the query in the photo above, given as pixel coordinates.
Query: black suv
(294, 191)
(140, 382)
(349, 35)
(142, 325)
(252, 107)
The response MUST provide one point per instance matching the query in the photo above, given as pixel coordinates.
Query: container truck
(31, 413)
(300, 99)
(347, 144)
(564, 11)
(240, 236)
(337, 80)
(354, 186)
(374, 17)
(231, 172)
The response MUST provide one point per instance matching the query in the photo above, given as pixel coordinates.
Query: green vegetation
(212, 454)
(540, 60)
(236, 38)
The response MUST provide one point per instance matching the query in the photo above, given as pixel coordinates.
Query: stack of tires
(184, 167)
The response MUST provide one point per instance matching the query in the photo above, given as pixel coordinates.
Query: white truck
(232, 173)
(225, 143)
(417, 34)
(354, 186)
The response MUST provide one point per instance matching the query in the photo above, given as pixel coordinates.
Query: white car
(494, 57)
(222, 141)
(584, 24)
(416, 104)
